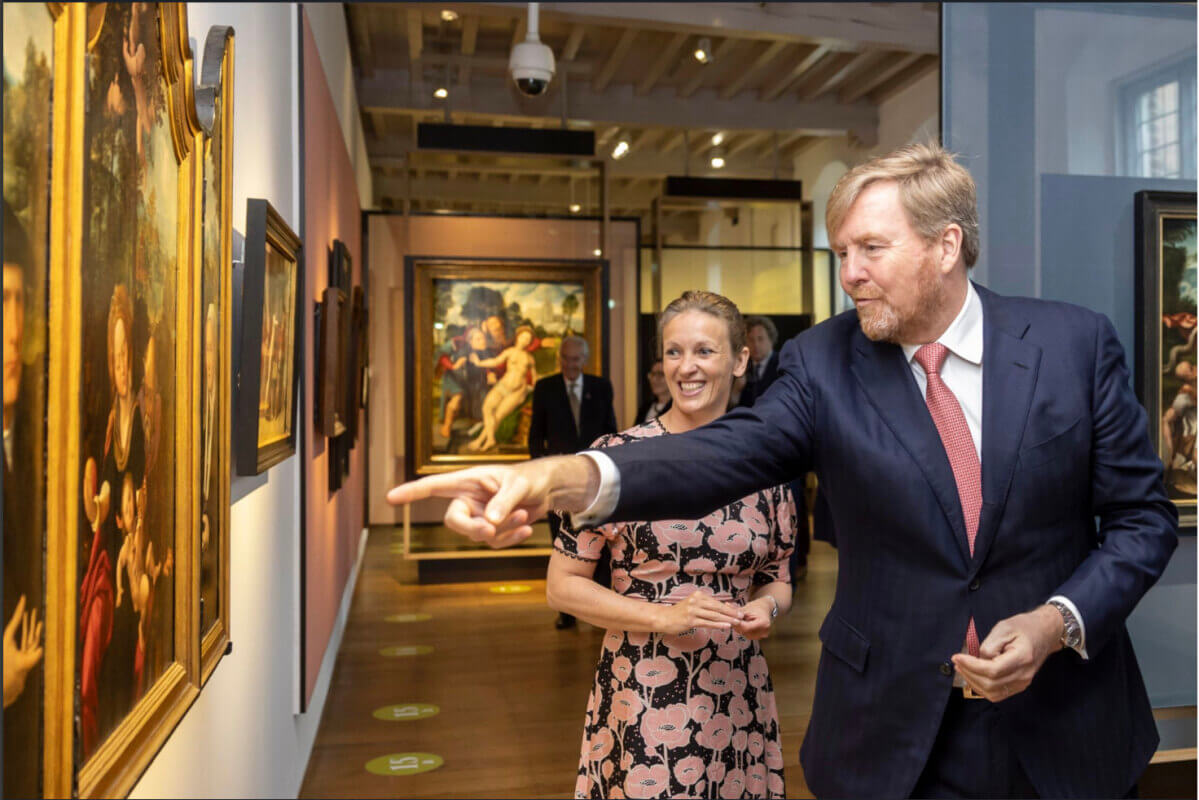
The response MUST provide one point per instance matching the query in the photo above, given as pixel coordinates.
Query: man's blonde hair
(935, 191)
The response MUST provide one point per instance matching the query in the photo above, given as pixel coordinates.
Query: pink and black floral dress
(690, 715)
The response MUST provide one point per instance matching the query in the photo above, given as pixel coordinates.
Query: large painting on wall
(28, 96)
(1166, 331)
(214, 108)
(481, 334)
(136, 451)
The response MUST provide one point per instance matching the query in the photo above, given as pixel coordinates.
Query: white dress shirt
(962, 373)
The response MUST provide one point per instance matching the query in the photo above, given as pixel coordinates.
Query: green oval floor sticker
(414, 617)
(402, 650)
(511, 588)
(404, 764)
(406, 712)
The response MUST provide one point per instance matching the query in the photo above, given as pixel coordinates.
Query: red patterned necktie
(959, 446)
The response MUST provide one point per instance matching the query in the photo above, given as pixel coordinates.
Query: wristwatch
(774, 611)
(1072, 632)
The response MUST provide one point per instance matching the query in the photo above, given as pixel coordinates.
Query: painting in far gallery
(28, 87)
(131, 274)
(1167, 329)
(485, 334)
(275, 417)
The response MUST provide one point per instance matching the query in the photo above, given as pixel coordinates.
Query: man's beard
(884, 323)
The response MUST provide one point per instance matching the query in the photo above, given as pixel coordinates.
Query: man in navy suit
(570, 411)
(998, 505)
(761, 335)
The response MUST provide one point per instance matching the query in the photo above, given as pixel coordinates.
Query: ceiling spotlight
(597, 252)
(575, 208)
(449, 15)
(717, 139)
(621, 149)
(441, 93)
(717, 160)
(703, 51)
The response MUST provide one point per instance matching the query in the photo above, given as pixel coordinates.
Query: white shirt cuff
(1082, 626)
(609, 492)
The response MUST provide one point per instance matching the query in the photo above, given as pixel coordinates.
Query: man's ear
(950, 245)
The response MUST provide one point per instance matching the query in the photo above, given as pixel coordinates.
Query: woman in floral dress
(682, 704)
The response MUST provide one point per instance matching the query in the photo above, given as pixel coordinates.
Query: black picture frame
(328, 399)
(266, 233)
(1166, 336)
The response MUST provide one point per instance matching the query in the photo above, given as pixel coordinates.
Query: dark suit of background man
(570, 411)
(967, 444)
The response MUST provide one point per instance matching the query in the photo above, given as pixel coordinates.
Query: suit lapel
(887, 380)
(1010, 367)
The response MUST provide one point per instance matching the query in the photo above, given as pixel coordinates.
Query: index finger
(451, 484)
(993, 668)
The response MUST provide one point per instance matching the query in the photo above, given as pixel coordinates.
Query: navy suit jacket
(552, 429)
(1064, 444)
(756, 387)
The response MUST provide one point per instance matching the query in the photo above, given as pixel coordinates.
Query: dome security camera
(531, 63)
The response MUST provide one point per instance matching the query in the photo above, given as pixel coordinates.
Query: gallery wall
(242, 737)
(331, 211)
(392, 237)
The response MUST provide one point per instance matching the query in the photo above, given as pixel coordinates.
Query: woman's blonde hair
(934, 189)
(717, 305)
(121, 308)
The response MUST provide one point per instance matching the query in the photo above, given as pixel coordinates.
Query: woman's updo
(717, 305)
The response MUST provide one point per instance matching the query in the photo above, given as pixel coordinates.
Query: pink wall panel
(333, 522)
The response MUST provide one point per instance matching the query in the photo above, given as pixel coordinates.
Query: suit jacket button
(974, 584)
(947, 668)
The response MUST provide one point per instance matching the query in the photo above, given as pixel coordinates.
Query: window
(1158, 114)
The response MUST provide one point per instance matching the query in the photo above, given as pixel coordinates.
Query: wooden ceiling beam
(902, 80)
(743, 143)
(573, 41)
(415, 34)
(751, 71)
(805, 58)
(519, 29)
(830, 72)
(357, 14)
(722, 51)
(862, 81)
(665, 58)
(615, 59)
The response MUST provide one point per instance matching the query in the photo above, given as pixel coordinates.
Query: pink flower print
(716, 734)
(758, 671)
(667, 726)
(613, 640)
(687, 642)
(615, 793)
(739, 711)
(730, 648)
(755, 780)
(715, 771)
(775, 782)
(751, 516)
(622, 668)
(685, 534)
(765, 712)
(699, 788)
(760, 546)
(639, 555)
(715, 678)
(606, 770)
(732, 537)
(689, 770)
(738, 682)
(655, 571)
(590, 545)
(638, 638)
(757, 744)
(741, 581)
(701, 707)
(734, 785)
(626, 705)
(655, 672)
(739, 739)
(699, 566)
(583, 787)
(626, 760)
(644, 781)
(601, 744)
(774, 754)
(621, 581)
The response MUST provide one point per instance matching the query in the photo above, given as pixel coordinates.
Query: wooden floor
(511, 689)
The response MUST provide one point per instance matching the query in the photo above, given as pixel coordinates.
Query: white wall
(240, 737)
(333, 43)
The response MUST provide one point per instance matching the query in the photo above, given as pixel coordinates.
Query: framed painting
(269, 352)
(132, 325)
(1166, 362)
(330, 314)
(355, 362)
(481, 333)
(32, 72)
(214, 108)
